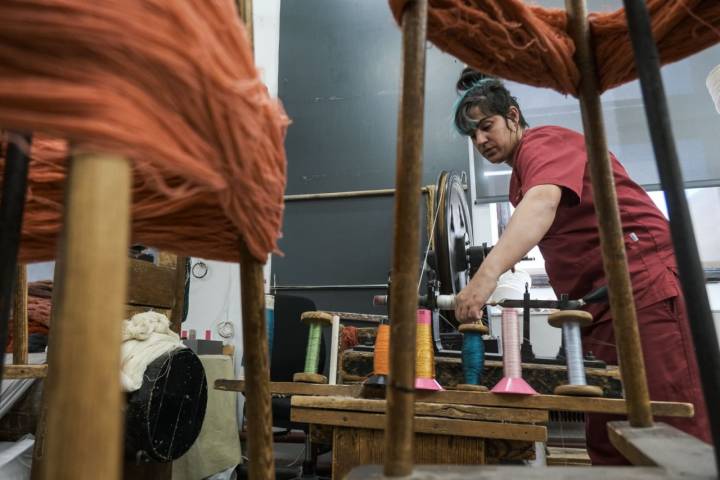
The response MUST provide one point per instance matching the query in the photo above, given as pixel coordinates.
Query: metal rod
(362, 286)
(12, 205)
(622, 307)
(399, 433)
(686, 252)
(383, 192)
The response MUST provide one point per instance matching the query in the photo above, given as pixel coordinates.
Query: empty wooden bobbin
(315, 322)
(571, 321)
(473, 365)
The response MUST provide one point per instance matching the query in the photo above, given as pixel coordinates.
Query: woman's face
(496, 137)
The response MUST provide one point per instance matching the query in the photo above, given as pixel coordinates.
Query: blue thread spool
(270, 323)
(473, 356)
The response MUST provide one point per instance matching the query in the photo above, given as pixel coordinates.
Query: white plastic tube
(332, 374)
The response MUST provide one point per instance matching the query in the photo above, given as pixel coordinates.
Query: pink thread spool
(424, 357)
(512, 382)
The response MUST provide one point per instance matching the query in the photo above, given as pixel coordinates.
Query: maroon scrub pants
(670, 366)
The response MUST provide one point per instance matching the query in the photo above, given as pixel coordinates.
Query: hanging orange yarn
(530, 44)
(172, 85)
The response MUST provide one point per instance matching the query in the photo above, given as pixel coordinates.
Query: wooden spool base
(579, 390)
(471, 388)
(309, 378)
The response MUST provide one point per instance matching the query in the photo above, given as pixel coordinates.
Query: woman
(551, 191)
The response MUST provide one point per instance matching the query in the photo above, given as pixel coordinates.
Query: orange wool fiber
(172, 86)
(514, 40)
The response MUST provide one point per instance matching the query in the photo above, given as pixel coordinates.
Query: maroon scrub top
(571, 247)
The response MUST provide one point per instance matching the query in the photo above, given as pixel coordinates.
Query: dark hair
(488, 93)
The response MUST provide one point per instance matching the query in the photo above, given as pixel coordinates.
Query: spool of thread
(424, 357)
(315, 322)
(381, 359)
(512, 382)
(270, 323)
(571, 321)
(473, 356)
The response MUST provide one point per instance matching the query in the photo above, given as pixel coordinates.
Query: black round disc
(164, 416)
(453, 235)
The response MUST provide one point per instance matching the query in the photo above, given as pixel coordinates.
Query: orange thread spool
(381, 360)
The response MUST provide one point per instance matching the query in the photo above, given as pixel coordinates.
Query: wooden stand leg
(257, 372)
(83, 405)
(622, 306)
(20, 317)
(406, 246)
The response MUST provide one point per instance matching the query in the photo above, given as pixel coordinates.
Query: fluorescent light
(497, 173)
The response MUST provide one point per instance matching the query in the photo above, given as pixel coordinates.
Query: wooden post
(84, 405)
(406, 246)
(176, 316)
(257, 372)
(627, 336)
(20, 317)
(12, 206)
(245, 10)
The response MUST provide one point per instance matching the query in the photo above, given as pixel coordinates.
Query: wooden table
(457, 427)
(445, 433)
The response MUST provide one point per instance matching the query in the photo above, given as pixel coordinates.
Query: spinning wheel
(453, 237)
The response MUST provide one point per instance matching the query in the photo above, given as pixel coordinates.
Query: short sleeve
(552, 156)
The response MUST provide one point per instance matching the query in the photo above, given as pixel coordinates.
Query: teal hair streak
(477, 84)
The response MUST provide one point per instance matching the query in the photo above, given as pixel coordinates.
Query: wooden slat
(293, 388)
(151, 285)
(25, 371)
(542, 402)
(506, 472)
(466, 412)
(567, 456)
(439, 426)
(664, 446)
(553, 402)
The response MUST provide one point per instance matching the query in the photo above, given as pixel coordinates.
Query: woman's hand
(471, 300)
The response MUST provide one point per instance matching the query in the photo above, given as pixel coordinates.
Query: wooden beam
(25, 371)
(438, 426)
(85, 404)
(442, 410)
(553, 402)
(257, 372)
(406, 243)
(622, 306)
(543, 402)
(664, 446)
(20, 317)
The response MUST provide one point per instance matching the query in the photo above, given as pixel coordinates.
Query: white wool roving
(145, 337)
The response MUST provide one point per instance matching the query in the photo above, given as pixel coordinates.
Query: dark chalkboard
(339, 80)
